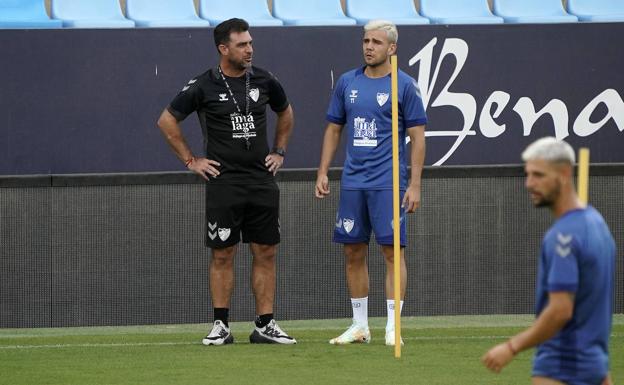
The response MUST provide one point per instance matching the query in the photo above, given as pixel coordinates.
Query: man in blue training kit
(575, 280)
(361, 103)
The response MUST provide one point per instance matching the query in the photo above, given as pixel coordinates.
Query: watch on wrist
(279, 151)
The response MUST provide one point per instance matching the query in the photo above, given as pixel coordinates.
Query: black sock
(221, 314)
(263, 320)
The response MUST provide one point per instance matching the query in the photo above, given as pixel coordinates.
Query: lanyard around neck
(227, 85)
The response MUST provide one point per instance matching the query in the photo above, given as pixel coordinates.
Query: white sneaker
(271, 334)
(355, 334)
(219, 335)
(390, 338)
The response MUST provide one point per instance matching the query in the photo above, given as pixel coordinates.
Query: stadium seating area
(597, 10)
(397, 11)
(26, 14)
(164, 13)
(532, 11)
(256, 12)
(458, 12)
(90, 14)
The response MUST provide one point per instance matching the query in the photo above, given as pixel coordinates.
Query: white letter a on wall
(615, 110)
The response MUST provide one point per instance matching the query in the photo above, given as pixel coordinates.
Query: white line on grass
(103, 345)
(132, 344)
(138, 344)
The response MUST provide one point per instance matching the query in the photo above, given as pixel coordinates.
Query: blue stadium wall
(86, 101)
(115, 249)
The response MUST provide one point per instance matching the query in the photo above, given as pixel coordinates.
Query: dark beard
(544, 203)
(549, 200)
(239, 65)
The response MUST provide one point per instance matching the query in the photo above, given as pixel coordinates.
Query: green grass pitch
(438, 350)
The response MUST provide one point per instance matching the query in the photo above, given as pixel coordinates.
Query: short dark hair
(224, 29)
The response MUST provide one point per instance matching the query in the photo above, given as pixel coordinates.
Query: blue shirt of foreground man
(575, 280)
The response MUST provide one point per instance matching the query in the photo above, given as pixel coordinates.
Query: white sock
(390, 308)
(360, 311)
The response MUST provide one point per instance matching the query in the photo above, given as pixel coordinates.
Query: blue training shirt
(578, 256)
(363, 105)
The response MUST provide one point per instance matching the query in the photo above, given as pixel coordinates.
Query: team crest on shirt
(348, 224)
(254, 94)
(382, 98)
(364, 132)
(224, 233)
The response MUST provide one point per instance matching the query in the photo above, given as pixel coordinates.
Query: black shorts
(252, 210)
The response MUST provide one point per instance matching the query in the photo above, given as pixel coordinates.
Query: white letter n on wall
(555, 108)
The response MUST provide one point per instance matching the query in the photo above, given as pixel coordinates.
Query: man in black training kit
(241, 193)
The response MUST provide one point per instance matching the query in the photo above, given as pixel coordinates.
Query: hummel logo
(223, 98)
(563, 251)
(400, 221)
(212, 235)
(564, 239)
(353, 96)
(563, 247)
(188, 85)
(212, 226)
(417, 88)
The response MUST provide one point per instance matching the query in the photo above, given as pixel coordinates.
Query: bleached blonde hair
(550, 149)
(383, 25)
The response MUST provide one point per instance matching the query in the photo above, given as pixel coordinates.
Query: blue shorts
(571, 370)
(361, 211)
(572, 381)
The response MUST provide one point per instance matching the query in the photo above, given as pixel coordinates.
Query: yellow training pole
(583, 175)
(395, 208)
